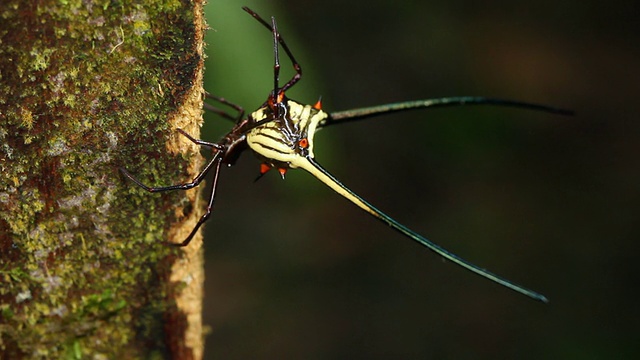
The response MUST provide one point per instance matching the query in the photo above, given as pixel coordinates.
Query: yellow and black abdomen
(283, 139)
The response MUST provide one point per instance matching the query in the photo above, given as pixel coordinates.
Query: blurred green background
(295, 271)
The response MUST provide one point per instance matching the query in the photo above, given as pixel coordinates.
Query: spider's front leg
(197, 180)
(215, 162)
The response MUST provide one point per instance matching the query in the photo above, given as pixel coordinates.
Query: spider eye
(303, 143)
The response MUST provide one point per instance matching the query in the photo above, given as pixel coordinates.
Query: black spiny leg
(217, 160)
(223, 113)
(212, 195)
(197, 180)
(279, 39)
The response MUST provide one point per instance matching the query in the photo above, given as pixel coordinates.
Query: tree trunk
(87, 87)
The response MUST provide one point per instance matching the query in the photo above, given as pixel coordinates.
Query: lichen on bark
(87, 87)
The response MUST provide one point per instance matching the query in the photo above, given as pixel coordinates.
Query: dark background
(295, 271)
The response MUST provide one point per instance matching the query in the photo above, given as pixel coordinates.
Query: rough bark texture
(87, 87)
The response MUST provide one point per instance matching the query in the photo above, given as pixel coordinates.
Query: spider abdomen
(279, 141)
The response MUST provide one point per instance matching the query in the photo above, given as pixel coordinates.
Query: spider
(280, 132)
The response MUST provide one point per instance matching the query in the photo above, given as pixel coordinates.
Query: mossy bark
(87, 87)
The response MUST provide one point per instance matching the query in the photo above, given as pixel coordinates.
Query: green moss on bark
(87, 87)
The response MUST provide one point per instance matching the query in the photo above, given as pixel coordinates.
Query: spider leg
(223, 113)
(205, 216)
(201, 142)
(219, 112)
(197, 180)
(280, 39)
